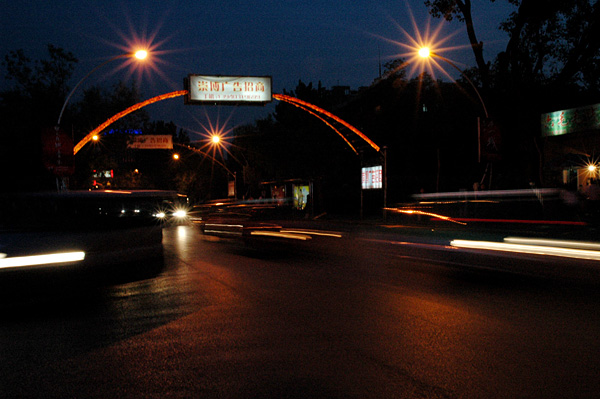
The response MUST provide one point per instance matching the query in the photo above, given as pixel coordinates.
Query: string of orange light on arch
(303, 104)
(121, 114)
(325, 122)
(308, 107)
(205, 154)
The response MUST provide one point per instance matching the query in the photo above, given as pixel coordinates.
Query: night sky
(335, 42)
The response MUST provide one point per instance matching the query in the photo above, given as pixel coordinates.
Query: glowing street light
(216, 139)
(425, 52)
(140, 55)
(176, 156)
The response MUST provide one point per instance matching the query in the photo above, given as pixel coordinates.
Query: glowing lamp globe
(424, 52)
(141, 54)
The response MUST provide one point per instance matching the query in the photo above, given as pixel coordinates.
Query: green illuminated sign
(571, 121)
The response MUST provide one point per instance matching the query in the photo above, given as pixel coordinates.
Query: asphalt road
(362, 316)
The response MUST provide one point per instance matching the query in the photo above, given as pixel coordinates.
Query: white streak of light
(37, 260)
(527, 249)
(554, 243)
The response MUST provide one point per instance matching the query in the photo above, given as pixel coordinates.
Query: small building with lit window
(295, 194)
(571, 147)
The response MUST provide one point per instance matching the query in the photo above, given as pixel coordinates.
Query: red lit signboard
(228, 90)
(57, 152)
(151, 142)
(372, 177)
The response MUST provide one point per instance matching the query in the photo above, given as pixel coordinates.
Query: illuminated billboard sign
(228, 90)
(372, 177)
(57, 152)
(571, 121)
(151, 142)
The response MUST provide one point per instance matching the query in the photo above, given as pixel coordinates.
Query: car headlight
(180, 213)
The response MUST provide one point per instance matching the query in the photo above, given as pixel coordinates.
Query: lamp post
(426, 53)
(56, 137)
(140, 55)
(215, 140)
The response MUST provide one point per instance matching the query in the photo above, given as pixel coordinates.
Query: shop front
(294, 193)
(572, 147)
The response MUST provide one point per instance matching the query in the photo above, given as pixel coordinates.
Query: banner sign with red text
(151, 142)
(57, 152)
(572, 120)
(490, 141)
(228, 90)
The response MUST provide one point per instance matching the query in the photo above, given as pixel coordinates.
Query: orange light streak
(293, 100)
(433, 215)
(199, 151)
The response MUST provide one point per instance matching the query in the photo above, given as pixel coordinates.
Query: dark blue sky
(335, 42)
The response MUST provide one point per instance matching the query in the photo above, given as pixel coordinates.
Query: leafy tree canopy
(39, 85)
(557, 43)
(48, 74)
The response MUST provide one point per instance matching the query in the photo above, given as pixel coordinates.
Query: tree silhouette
(36, 92)
(551, 61)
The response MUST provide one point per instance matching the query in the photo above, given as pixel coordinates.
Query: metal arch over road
(301, 104)
(324, 121)
(308, 107)
(121, 114)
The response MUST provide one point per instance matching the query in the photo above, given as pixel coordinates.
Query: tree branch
(585, 49)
